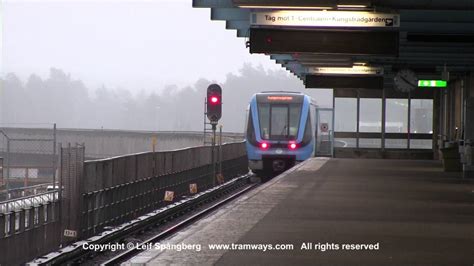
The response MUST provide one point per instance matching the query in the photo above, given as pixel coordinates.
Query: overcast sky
(139, 44)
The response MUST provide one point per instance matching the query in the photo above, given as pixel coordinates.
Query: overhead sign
(279, 98)
(355, 70)
(324, 19)
(432, 83)
(344, 81)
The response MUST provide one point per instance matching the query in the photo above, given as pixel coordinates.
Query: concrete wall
(107, 143)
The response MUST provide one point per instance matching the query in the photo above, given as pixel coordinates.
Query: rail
(29, 201)
(75, 254)
(21, 192)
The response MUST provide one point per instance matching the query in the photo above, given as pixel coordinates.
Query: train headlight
(292, 146)
(264, 145)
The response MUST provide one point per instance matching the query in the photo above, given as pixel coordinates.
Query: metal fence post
(3, 218)
(54, 158)
(213, 155)
(220, 150)
(1, 172)
(11, 223)
(7, 185)
(22, 220)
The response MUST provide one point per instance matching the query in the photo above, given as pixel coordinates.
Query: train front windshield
(279, 121)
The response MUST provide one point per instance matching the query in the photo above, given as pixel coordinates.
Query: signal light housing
(214, 103)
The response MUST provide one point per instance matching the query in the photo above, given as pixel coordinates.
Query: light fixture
(287, 7)
(352, 6)
(292, 146)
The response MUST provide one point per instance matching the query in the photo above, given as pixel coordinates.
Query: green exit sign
(432, 83)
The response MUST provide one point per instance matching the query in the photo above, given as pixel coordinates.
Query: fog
(134, 65)
(143, 65)
(63, 99)
(133, 44)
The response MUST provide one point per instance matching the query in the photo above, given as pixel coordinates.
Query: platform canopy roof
(428, 37)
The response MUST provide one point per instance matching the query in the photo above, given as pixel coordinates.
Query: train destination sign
(432, 83)
(308, 18)
(355, 70)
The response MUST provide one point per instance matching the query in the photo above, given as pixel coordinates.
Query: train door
(324, 132)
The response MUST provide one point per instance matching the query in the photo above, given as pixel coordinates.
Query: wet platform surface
(401, 212)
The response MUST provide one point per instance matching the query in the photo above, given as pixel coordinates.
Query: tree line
(66, 101)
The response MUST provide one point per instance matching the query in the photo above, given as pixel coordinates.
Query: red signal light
(264, 145)
(214, 103)
(292, 146)
(214, 99)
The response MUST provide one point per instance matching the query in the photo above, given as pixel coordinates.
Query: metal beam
(378, 4)
(213, 3)
(281, 57)
(423, 40)
(230, 14)
(436, 16)
(434, 50)
(425, 5)
(237, 25)
(437, 27)
(295, 67)
(243, 33)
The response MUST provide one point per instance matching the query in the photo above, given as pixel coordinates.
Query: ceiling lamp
(287, 7)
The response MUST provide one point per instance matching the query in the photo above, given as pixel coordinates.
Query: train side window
(295, 110)
(246, 120)
(251, 130)
(264, 119)
(308, 132)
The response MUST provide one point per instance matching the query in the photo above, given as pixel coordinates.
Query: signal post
(214, 113)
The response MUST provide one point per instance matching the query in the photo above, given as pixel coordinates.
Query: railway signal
(214, 113)
(214, 103)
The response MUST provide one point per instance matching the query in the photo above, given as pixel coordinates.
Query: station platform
(400, 212)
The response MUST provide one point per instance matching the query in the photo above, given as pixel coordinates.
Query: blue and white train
(280, 130)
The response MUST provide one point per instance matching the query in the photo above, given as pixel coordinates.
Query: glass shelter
(383, 123)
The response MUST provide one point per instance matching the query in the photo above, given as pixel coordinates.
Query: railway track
(170, 231)
(150, 228)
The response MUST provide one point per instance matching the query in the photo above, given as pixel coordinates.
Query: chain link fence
(26, 160)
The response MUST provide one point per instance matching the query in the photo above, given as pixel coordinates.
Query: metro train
(280, 130)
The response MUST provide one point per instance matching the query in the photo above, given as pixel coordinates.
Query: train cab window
(295, 110)
(264, 118)
(279, 121)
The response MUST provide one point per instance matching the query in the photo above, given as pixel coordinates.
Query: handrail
(29, 201)
(148, 152)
